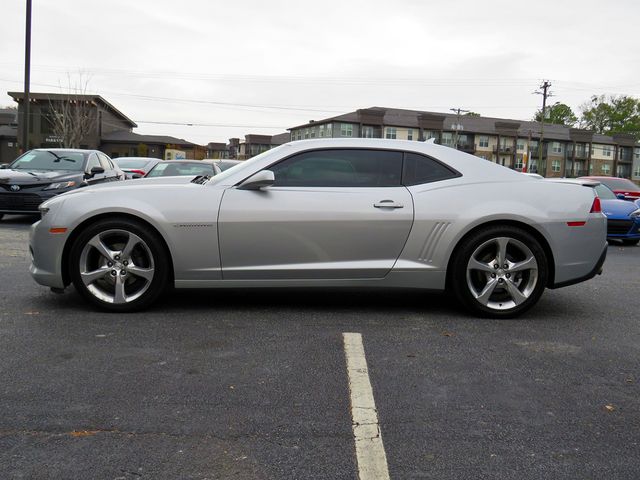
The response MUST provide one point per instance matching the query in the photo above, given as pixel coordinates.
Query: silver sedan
(333, 212)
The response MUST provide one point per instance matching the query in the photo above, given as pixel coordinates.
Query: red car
(620, 186)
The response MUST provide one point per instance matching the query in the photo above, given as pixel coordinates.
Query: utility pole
(458, 125)
(26, 119)
(544, 91)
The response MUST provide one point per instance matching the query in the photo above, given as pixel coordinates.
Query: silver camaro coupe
(330, 212)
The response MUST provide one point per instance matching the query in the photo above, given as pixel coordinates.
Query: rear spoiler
(575, 181)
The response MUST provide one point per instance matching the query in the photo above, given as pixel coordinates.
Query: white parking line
(372, 460)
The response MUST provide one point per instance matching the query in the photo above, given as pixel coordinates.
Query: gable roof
(124, 136)
(18, 96)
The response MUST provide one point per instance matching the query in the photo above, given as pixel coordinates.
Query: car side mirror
(3, 166)
(264, 178)
(136, 175)
(621, 196)
(94, 171)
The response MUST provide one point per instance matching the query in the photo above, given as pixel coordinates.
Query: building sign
(53, 139)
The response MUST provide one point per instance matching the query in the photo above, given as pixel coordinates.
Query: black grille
(20, 202)
(619, 227)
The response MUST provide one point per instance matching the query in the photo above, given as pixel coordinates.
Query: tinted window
(132, 162)
(420, 169)
(605, 193)
(619, 184)
(93, 162)
(104, 161)
(340, 168)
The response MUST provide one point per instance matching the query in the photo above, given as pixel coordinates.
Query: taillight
(139, 172)
(595, 206)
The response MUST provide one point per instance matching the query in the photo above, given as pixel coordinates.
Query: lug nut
(125, 263)
(113, 273)
(500, 280)
(496, 266)
(505, 266)
(123, 272)
(117, 257)
(493, 275)
(109, 264)
(508, 275)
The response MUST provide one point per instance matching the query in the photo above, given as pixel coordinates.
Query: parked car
(623, 217)
(192, 168)
(41, 174)
(620, 186)
(136, 167)
(327, 212)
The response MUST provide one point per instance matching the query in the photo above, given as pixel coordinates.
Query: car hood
(22, 177)
(617, 208)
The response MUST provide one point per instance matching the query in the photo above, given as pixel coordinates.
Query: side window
(420, 169)
(340, 168)
(92, 162)
(104, 162)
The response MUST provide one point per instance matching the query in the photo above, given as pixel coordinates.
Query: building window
(321, 131)
(606, 168)
(518, 164)
(483, 141)
(313, 133)
(556, 147)
(410, 134)
(533, 166)
(555, 166)
(329, 130)
(306, 133)
(636, 153)
(293, 136)
(636, 171)
(447, 139)
(521, 145)
(391, 132)
(367, 132)
(607, 150)
(346, 130)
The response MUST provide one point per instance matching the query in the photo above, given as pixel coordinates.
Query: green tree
(558, 113)
(613, 114)
(472, 114)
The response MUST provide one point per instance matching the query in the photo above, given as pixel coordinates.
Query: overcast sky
(247, 66)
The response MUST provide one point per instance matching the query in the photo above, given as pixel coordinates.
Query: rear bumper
(597, 270)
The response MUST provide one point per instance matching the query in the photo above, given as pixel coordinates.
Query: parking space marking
(370, 454)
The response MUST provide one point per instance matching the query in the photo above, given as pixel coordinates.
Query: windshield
(50, 160)
(226, 165)
(605, 192)
(131, 162)
(181, 169)
(247, 164)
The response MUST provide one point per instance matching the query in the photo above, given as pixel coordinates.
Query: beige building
(565, 152)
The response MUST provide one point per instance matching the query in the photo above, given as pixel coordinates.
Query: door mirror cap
(95, 171)
(4, 166)
(258, 181)
(621, 196)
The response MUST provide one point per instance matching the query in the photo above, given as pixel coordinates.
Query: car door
(110, 172)
(331, 214)
(93, 161)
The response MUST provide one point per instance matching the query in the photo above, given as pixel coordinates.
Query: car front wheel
(119, 265)
(499, 272)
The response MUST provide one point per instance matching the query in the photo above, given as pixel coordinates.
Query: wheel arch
(66, 274)
(511, 223)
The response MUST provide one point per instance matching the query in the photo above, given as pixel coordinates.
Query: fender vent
(432, 240)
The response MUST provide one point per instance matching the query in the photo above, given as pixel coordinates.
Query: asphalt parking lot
(253, 384)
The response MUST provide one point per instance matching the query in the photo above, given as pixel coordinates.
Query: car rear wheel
(119, 265)
(499, 272)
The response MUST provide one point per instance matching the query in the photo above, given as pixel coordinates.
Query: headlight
(635, 213)
(43, 211)
(59, 185)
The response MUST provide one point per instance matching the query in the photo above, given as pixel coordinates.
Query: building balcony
(467, 147)
(504, 149)
(581, 154)
(534, 153)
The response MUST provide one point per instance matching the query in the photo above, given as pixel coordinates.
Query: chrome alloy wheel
(116, 266)
(502, 273)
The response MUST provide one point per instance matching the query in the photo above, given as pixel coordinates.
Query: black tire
(137, 277)
(500, 300)
(630, 241)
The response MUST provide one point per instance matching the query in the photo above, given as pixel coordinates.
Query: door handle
(388, 204)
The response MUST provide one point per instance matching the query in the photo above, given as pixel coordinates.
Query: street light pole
(26, 120)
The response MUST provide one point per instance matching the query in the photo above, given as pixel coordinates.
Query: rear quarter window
(419, 169)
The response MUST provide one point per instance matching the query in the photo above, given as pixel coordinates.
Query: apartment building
(564, 152)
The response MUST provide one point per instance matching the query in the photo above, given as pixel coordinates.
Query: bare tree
(72, 114)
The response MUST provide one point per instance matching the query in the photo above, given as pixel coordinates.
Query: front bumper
(24, 203)
(46, 254)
